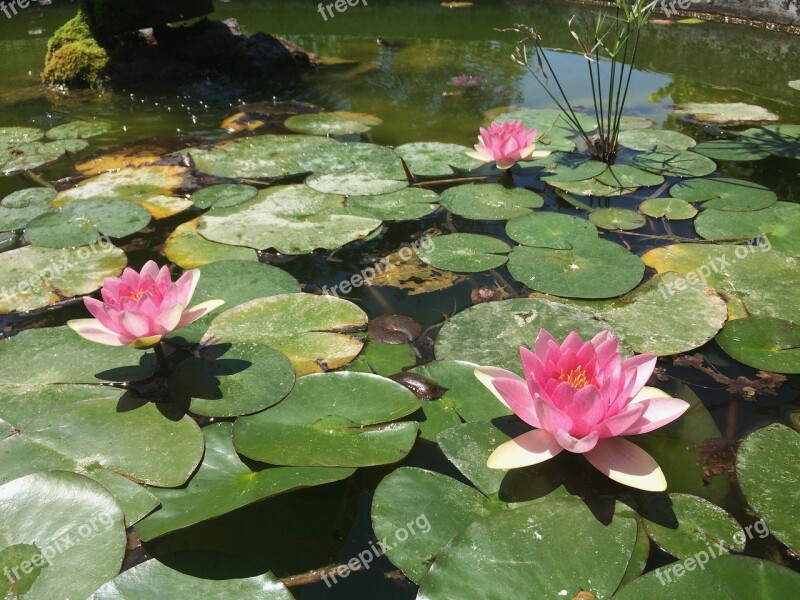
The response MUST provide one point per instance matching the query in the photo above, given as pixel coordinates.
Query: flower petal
(186, 285)
(550, 417)
(93, 330)
(198, 311)
(530, 448)
(517, 398)
(659, 410)
(626, 463)
(573, 444)
(169, 319)
(478, 155)
(135, 323)
(644, 365)
(505, 163)
(486, 374)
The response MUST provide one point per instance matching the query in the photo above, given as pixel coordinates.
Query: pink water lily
(506, 143)
(582, 397)
(138, 309)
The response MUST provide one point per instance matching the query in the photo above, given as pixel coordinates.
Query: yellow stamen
(576, 378)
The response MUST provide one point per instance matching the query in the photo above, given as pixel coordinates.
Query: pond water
(405, 82)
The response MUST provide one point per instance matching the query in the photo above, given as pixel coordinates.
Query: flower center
(576, 377)
(136, 295)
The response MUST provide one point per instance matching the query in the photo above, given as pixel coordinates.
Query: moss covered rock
(74, 58)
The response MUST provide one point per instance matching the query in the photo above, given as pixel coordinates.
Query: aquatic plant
(613, 38)
(507, 143)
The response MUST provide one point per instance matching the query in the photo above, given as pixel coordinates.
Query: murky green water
(406, 84)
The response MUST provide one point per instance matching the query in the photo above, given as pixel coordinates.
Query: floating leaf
(780, 223)
(617, 219)
(655, 140)
(406, 271)
(78, 130)
(591, 187)
(550, 230)
(293, 219)
(592, 268)
(673, 209)
(675, 163)
(734, 113)
(354, 184)
(224, 483)
(18, 158)
(779, 140)
(764, 343)
(626, 176)
(489, 201)
(542, 118)
(466, 253)
(332, 419)
(434, 159)
(332, 123)
(404, 205)
(21, 207)
(69, 519)
(20, 135)
(768, 472)
(134, 500)
(188, 249)
(383, 358)
(33, 277)
(724, 193)
(223, 195)
(627, 123)
(353, 156)
(308, 329)
(736, 150)
(569, 167)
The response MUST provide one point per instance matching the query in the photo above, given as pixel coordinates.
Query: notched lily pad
(466, 252)
(489, 201)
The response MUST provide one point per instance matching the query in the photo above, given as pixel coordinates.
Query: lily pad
(629, 122)
(491, 334)
(139, 582)
(626, 176)
(310, 330)
(21, 207)
(489, 201)
(684, 525)
(676, 163)
(224, 483)
(592, 187)
(734, 113)
(466, 253)
(768, 470)
(550, 230)
(542, 118)
(231, 380)
(18, 158)
(764, 343)
(434, 159)
(20, 135)
(592, 268)
(33, 277)
(223, 195)
(154, 188)
(78, 130)
(353, 156)
(655, 140)
(673, 209)
(338, 419)
(735, 150)
(383, 358)
(617, 219)
(354, 184)
(292, 219)
(779, 140)
(569, 167)
(188, 249)
(724, 193)
(83, 223)
(406, 271)
(780, 223)
(71, 520)
(404, 205)
(332, 123)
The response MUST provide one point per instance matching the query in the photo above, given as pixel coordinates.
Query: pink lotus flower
(581, 397)
(506, 144)
(138, 309)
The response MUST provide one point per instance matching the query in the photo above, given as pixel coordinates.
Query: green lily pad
(489, 201)
(21, 402)
(383, 359)
(492, 556)
(257, 157)
(724, 193)
(592, 268)
(734, 113)
(447, 506)
(223, 195)
(617, 219)
(676, 163)
(84, 223)
(569, 167)
(780, 223)
(134, 500)
(434, 159)
(626, 176)
(332, 123)
(355, 184)
(628, 123)
(78, 130)
(332, 419)
(18, 158)
(21, 207)
(353, 156)
(736, 150)
(68, 145)
(764, 343)
(779, 140)
(20, 135)
(292, 219)
(592, 187)
(466, 253)
(188, 249)
(140, 443)
(139, 582)
(725, 578)
(224, 483)
(655, 140)
(33, 277)
(470, 398)
(310, 330)
(550, 230)
(768, 472)
(151, 187)
(232, 380)
(684, 525)
(28, 197)
(542, 118)
(69, 519)
(491, 333)
(407, 204)
(673, 209)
